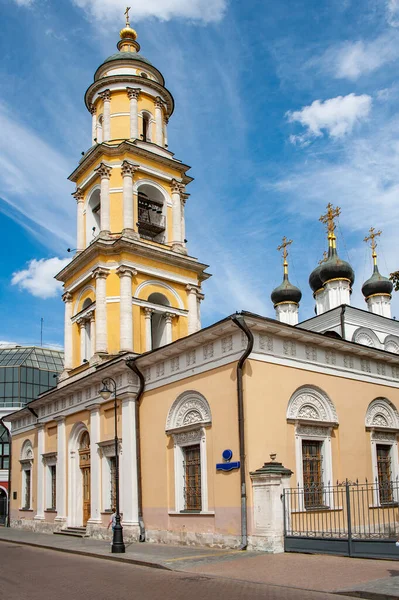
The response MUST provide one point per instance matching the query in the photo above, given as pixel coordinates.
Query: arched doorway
(158, 329)
(84, 464)
(3, 506)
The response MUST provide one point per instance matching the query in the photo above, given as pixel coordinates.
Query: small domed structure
(314, 279)
(286, 292)
(335, 268)
(377, 284)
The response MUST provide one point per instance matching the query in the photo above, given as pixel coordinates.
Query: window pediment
(381, 413)
(310, 403)
(189, 410)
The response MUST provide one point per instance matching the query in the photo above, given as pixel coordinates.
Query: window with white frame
(50, 463)
(187, 421)
(26, 461)
(314, 416)
(108, 468)
(382, 420)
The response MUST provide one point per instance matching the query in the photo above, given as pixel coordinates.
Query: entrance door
(3, 507)
(84, 463)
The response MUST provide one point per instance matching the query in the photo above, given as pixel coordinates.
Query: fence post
(349, 517)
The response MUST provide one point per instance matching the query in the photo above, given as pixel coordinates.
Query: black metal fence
(349, 518)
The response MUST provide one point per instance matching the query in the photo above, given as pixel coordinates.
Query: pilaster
(40, 474)
(100, 276)
(79, 197)
(177, 244)
(133, 95)
(128, 170)
(61, 470)
(193, 324)
(148, 329)
(93, 124)
(104, 171)
(126, 309)
(128, 478)
(95, 464)
(106, 97)
(158, 121)
(67, 298)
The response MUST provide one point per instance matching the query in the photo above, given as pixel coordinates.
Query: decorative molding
(208, 351)
(310, 403)
(330, 357)
(266, 342)
(103, 170)
(365, 365)
(383, 436)
(313, 431)
(311, 352)
(174, 363)
(160, 369)
(188, 437)
(190, 408)
(227, 344)
(49, 458)
(105, 95)
(289, 348)
(382, 413)
(133, 93)
(348, 361)
(107, 448)
(128, 168)
(191, 358)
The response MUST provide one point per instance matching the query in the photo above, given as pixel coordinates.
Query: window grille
(53, 476)
(384, 473)
(27, 488)
(312, 462)
(192, 478)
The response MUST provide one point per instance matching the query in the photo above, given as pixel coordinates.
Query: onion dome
(314, 279)
(377, 284)
(335, 268)
(286, 292)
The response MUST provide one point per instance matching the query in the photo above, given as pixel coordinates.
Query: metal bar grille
(312, 473)
(384, 473)
(192, 478)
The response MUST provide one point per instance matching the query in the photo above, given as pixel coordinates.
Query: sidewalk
(364, 578)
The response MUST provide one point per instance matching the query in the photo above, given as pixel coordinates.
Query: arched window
(314, 416)
(93, 216)
(366, 337)
(100, 129)
(146, 127)
(187, 419)
(151, 213)
(382, 419)
(26, 461)
(391, 344)
(159, 332)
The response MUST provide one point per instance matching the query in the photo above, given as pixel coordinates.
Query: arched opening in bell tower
(100, 129)
(158, 323)
(93, 216)
(151, 213)
(146, 127)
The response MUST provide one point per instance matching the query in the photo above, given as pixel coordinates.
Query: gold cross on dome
(284, 245)
(373, 234)
(323, 260)
(328, 219)
(126, 13)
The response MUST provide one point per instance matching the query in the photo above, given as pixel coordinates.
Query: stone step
(72, 532)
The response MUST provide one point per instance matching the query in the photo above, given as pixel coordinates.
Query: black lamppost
(118, 546)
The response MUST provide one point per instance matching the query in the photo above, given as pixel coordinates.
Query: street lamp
(118, 547)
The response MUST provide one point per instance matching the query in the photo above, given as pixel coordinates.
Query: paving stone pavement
(366, 578)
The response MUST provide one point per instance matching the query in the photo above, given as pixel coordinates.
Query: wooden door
(84, 463)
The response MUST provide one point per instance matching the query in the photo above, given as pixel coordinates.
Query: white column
(126, 308)
(106, 97)
(337, 292)
(183, 219)
(93, 124)
(380, 304)
(166, 121)
(82, 332)
(168, 328)
(95, 464)
(128, 171)
(105, 172)
(101, 310)
(148, 330)
(192, 309)
(80, 242)
(128, 475)
(287, 312)
(200, 297)
(67, 298)
(61, 470)
(133, 95)
(159, 122)
(92, 334)
(176, 215)
(40, 474)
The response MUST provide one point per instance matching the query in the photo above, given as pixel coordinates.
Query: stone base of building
(37, 526)
(271, 544)
(192, 538)
(131, 533)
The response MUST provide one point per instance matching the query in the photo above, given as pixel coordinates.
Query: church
(214, 425)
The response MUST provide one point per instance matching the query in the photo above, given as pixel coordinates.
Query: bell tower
(131, 286)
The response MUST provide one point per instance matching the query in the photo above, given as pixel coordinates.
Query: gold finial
(373, 234)
(323, 260)
(126, 13)
(328, 219)
(283, 247)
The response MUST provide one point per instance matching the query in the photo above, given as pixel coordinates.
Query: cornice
(130, 79)
(105, 149)
(112, 246)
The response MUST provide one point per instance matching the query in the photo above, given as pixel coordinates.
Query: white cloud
(336, 116)
(393, 12)
(112, 10)
(38, 278)
(24, 2)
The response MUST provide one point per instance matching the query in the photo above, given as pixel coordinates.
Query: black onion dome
(336, 268)
(286, 292)
(377, 284)
(314, 279)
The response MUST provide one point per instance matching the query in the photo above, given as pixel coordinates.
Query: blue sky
(281, 107)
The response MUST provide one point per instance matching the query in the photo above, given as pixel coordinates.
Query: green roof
(126, 55)
(33, 356)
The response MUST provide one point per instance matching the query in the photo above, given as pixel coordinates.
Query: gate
(348, 519)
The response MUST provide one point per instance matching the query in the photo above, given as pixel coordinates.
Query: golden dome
(127, 32)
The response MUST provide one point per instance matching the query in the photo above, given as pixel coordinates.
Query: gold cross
(328, 219)
(283, 247)
(323, 260)
(373, 245)
(126, 13)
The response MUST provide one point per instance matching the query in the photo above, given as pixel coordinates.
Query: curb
(367, 595)
(132, 561)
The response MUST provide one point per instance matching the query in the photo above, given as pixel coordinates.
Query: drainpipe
(32, 410)
(132, 365)
(240, 322)
(9, 471)
(342, 317)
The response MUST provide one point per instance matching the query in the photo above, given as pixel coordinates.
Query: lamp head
(105, 392)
